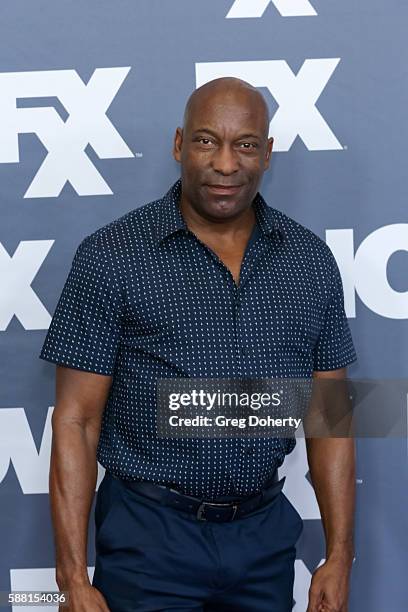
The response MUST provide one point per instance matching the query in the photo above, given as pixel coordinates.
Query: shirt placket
(241, 349)
(247, 447)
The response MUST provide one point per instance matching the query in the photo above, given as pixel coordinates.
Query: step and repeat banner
(90, 96)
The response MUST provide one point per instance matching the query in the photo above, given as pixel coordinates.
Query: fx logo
(18, 297)
(65, 141)
(256, 8)
(296, 95)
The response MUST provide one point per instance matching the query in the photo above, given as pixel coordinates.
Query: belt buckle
(201, 509)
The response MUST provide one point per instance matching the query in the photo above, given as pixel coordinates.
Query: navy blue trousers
(151, 558)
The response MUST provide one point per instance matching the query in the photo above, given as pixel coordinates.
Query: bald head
(226, 90)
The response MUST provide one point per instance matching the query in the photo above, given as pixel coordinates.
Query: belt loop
(235, 508)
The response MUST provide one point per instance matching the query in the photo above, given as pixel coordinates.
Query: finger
(314, 601)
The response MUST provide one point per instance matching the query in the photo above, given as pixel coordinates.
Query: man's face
(223, 150)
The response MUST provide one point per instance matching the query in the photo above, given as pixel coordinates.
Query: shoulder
(303, 241)
(307, 256)
(112, 249)
(124, 235)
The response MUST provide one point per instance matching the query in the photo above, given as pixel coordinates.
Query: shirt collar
(171, 220)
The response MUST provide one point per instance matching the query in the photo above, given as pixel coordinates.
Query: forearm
(73, 477)
(332, 470)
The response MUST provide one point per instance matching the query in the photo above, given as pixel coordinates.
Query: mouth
(224, 189)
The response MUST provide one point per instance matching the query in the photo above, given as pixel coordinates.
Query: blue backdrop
(90, 96)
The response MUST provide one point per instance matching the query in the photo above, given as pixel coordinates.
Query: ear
(268, 153)
(178, 143)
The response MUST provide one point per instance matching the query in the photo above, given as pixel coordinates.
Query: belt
(205, 510)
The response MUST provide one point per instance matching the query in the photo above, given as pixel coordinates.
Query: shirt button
(249, 451)
(244, 350)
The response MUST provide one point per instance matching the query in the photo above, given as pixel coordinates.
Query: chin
(226, 206)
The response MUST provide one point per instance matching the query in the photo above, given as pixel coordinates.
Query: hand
(84, 598)
(329, 588)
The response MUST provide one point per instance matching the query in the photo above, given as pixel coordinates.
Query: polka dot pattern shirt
(145, 299)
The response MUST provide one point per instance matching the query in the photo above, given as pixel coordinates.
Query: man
(206, 282)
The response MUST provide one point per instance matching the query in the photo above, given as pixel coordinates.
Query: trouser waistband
(207, 510)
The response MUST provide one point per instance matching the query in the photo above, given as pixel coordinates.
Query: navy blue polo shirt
(146, 299)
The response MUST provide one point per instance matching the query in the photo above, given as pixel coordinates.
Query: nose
(225, 160)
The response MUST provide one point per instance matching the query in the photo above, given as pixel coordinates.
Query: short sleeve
(334, 347)
(86, 327)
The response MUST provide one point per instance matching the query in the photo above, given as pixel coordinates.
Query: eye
(204, 141)
(248, 145)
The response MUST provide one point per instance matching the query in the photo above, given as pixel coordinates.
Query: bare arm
(76, 422)
(332, 469)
